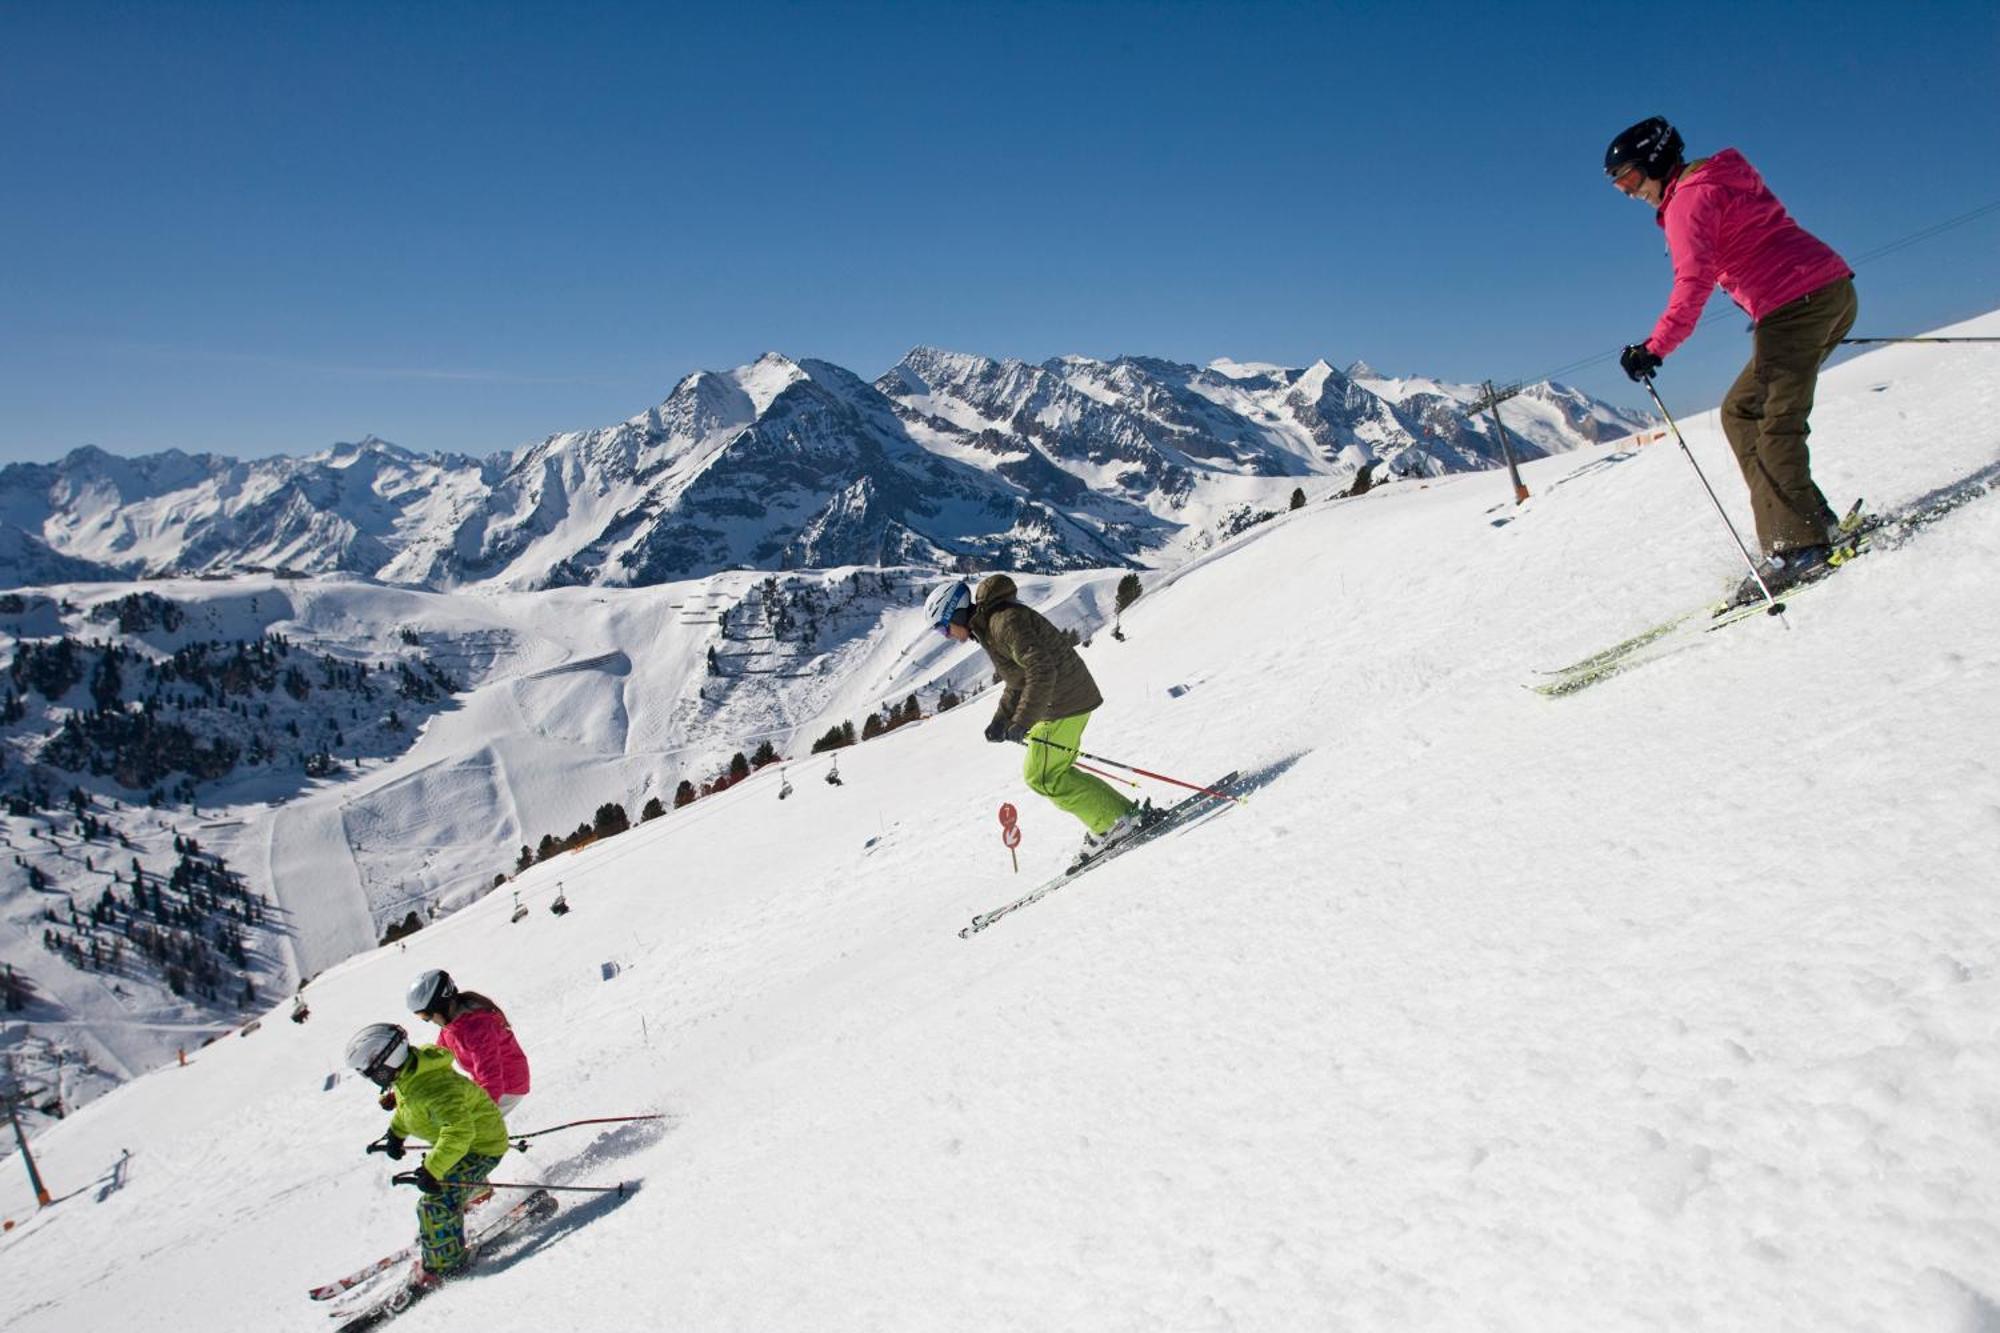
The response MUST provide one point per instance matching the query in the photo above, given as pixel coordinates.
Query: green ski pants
(1050, 770)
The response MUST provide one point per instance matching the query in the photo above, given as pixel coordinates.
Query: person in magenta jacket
(477, 1034)
(1724, 226)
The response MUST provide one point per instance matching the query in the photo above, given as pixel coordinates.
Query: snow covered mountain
(1161, 431)
(947, 460)
(1666, 1006)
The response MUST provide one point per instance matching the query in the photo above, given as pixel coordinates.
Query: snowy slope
(1666, 1006)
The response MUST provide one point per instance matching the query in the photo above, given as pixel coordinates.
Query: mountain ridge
(950, 459)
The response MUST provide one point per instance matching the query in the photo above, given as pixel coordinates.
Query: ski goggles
(1628, 179)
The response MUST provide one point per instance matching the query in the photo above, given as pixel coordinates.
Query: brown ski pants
(1764, 415)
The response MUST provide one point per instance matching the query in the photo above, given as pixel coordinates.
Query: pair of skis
(1860, 533)
(1219, 796)
(380, 1307)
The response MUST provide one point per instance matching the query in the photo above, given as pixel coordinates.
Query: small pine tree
(739, 767)
(684, 794)
(409, 925)
(766, 753)
(1128, 591)
(525, 859)
(611, 820)
(1298, 497)
(947, 700)
(653, 809)
(872, 727)
(836, 736)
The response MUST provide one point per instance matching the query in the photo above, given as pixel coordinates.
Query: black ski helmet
(1652, 145)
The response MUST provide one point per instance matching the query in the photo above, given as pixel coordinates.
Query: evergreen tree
(765, 753)
(684, 794)
(1128, 591)
(1298, 497)
(836, 736)
(739, 767)
(652, 810)
(14, 993)
(611, 820)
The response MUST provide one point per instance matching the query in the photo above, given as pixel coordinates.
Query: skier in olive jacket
(1046, 703)
(434, 1102)
(1724, 226)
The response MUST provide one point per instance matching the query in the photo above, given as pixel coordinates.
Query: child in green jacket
(435, 1102)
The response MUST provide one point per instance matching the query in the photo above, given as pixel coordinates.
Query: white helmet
(430, 990)
(945, 602)
(378, 1052)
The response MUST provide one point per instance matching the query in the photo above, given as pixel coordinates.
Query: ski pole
(1108, 777)
(597, 1120)
(619, 1189)
(1776, 607)
(1858, 341)
(1133, 768)
(519, 1142)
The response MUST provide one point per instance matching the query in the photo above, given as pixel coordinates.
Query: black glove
(1018, 733)
(421, 1178)
(1638, 362)
(390, 1146)
(996, 730)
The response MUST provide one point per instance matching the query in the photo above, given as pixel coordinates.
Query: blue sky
(265, 227)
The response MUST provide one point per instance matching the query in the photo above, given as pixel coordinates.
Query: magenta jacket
(1724, 225)
(486, 1051)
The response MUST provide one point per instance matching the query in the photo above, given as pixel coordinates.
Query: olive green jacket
(436, 1102)
(1044, 676)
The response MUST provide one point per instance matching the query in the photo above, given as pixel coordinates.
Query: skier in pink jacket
(477, 1034)
(1724, 226)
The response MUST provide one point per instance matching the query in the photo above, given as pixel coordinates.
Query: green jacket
(436, 1102)
(1044, 676)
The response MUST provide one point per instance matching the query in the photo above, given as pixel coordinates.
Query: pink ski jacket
(1724, 225)
(486, 1050)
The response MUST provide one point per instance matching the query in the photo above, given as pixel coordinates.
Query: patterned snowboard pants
(441, 1216)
